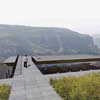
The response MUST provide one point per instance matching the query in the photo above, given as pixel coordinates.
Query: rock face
(43, 41)
(97, 39)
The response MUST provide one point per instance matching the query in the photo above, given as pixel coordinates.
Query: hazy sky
(80, 15)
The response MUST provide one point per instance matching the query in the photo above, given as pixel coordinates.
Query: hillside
(43, 41)
(97, 39)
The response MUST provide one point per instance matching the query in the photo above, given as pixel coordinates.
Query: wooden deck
(65, 59)
(11, 60)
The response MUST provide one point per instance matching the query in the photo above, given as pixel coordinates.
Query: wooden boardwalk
(31, 84)
(18, 70)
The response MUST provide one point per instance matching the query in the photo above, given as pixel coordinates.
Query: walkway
(18, 70)
(31, 85)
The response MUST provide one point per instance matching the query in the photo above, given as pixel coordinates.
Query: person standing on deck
(25, 61)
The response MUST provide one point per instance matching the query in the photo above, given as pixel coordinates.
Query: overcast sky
(80, 15)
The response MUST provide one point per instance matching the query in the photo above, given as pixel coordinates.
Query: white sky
(80, 15)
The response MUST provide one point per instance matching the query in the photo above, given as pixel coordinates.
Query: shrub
(78, 88)
(4, 92)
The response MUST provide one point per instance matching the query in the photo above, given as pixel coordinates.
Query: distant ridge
(29, 40)
(97, 39)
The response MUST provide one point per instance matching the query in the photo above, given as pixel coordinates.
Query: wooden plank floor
(31, 84)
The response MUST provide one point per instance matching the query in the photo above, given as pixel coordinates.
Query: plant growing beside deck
(78, 88)
(4, 92)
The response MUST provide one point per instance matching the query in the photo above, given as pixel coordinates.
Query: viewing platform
(30, 84)
(65, 59)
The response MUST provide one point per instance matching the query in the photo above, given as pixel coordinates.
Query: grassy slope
(78, 88)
